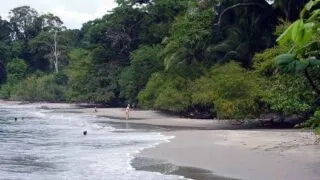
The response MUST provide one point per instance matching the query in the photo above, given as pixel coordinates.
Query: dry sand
(244, 154)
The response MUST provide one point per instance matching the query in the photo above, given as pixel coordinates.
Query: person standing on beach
(127, 111)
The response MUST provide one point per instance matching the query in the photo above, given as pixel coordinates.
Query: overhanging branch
(236, 6)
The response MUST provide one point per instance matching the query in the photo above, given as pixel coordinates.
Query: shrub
(61, 79)
(148, 95)
(166, 93)
(264, 64)
(173, 95)
(16, 69)
(35, 88)
(287, 95)
(314, 121)
(5, 91)
(232, 90)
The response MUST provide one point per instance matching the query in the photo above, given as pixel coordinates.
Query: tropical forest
(204, 59)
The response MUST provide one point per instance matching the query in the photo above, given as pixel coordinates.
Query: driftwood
(270, 120)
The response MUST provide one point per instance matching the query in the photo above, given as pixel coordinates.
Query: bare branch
(56, 53)
(236, 6)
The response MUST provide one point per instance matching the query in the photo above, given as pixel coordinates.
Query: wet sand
(164, 167)
(213, 154)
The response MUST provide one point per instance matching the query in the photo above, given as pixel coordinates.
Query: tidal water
(47, 144)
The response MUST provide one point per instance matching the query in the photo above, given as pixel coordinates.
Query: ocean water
(50, 145)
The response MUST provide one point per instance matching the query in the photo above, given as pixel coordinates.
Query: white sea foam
(50, 145)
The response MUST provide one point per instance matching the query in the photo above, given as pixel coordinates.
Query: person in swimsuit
(127, 111)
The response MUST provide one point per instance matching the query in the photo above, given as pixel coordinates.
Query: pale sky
(72, 12)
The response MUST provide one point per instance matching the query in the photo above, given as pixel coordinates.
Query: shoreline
(202, 148)
(163, 166)
(167, 168)
(266, 154)
(160, 119)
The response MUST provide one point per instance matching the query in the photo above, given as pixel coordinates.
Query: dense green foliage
(230, 89)
(165, 92)
(303, 59)
(314, 121)
(318, 131)
(222, 58)
(144, 62)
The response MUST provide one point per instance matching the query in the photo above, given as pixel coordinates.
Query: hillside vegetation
(227, 59)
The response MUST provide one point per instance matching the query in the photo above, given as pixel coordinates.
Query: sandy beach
(267, 155)
(235, 154)
(240, 154)
(166, 120)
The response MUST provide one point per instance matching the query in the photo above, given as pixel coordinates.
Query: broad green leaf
(288, 63)
(302, 32)
(299, 32)
(286, 35)
(285, 59)
(306, 34)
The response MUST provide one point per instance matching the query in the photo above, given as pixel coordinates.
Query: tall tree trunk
(56, 53)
